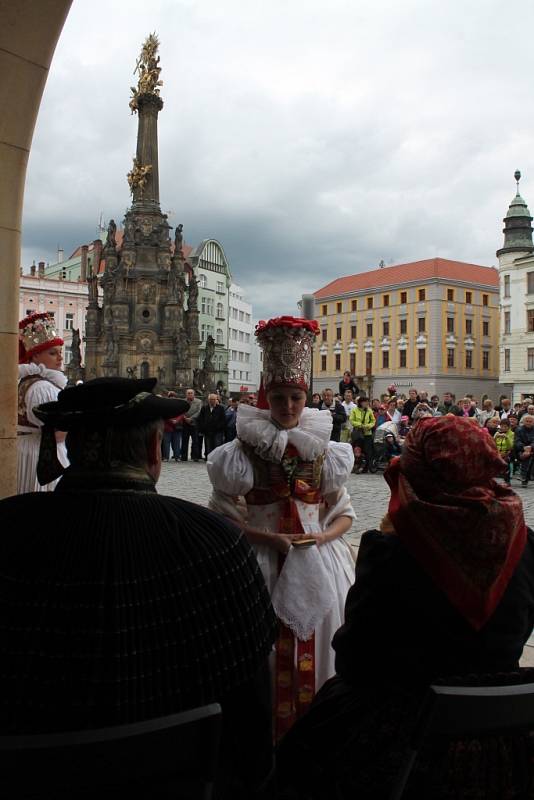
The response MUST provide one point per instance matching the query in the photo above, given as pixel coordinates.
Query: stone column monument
(141, 329)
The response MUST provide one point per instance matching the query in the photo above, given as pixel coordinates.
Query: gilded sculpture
(137, 177)
(148, 69)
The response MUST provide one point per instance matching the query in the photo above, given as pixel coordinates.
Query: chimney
(97, 254)
(41, 269)
(83, 270)
(60, 255)
(32, 270)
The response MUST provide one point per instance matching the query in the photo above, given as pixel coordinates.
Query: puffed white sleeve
(40, 392)
(338, 463)
(231, 476)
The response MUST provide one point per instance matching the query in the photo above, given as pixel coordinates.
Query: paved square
(369, 493)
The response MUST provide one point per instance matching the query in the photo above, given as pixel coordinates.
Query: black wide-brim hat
(108, 402)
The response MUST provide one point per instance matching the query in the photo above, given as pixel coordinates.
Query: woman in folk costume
(443, 591)
(285, 480)
(40, 381)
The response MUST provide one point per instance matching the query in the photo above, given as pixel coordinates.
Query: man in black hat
(118, 604)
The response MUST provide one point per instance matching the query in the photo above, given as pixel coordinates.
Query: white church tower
(516, 280)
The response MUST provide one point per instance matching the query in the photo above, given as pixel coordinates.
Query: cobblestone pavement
(369, 495)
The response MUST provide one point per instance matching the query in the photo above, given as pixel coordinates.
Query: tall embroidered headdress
(37, 332)
(287, 344)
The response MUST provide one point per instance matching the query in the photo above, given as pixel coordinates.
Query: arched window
(220, 311)
(144, 369)
(219, 336)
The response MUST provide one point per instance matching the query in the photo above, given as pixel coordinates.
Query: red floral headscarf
(466, 530)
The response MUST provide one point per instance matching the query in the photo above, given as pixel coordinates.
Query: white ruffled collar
(310, 437)
(53, 375)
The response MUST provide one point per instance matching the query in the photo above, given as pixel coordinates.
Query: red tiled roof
(414, 271)
(119, 235)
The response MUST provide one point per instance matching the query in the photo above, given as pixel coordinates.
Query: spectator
(410, 404)
(363, 422)
(449, 404)
(393, 414)
(492, 425)
(404, 427)
(172, 436)
(348, 382)
(348, 404)
(316, 400)
(466, 407)
(211, 424)
(189, 430)
(499, 405)
(487, 412)
(381, 416)
(144, 606)
(421, 411)
(524, 445)
(338, 413)
(504, 441)
(423, 397)
(231, 417)
(391, 446)
(434, 405)
(505, 408)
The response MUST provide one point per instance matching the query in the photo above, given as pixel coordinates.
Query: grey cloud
(311, 138)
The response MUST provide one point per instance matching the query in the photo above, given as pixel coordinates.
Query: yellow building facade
(432, 325)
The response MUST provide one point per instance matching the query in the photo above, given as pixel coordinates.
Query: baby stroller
(385, 445)
(361, 461)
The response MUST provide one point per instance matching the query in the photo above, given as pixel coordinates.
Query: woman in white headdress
(283, 480)
(40, 381)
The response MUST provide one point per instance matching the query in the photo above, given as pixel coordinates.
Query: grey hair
(128, 445)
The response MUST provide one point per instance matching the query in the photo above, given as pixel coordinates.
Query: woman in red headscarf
(284, 481)
(444, 588)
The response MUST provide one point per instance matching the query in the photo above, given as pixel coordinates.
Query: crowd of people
(149, 605)
(377, 428)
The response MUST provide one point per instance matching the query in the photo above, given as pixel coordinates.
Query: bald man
(212, 424)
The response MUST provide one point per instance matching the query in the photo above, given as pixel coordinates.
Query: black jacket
(339, 416)
(400, 628)
(523, 438)
(351, 385)
(211, 420)
(409, 406)
(146, 606)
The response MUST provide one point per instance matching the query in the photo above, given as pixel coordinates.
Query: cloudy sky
(312, 138)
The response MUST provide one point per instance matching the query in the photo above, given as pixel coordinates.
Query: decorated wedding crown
(37, 332)
(287, 344)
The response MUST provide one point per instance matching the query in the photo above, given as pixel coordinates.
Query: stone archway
(29, 32)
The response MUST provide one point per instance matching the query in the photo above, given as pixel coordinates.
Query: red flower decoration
(287, 322)
(33, 318)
